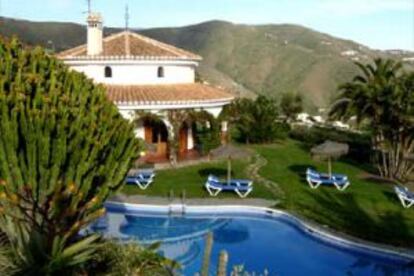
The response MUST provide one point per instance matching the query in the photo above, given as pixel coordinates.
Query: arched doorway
(183, 139)
(186, 142)
(156, 133)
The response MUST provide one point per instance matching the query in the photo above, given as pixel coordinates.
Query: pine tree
(64, 148)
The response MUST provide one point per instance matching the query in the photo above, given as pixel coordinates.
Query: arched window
(160, 72)
(108, 72)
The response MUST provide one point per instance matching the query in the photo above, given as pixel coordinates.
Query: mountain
(57, 35)
(247, 59)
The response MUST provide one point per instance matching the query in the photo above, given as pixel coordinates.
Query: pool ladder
(177, 209)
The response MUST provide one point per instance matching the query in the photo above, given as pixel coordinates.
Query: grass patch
(192, 179)
(367, 209)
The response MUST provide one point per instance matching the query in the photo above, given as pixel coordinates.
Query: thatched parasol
(230, 152)
(329, 150)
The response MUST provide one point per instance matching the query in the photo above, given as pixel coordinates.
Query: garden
(368, 209)
(65, 149)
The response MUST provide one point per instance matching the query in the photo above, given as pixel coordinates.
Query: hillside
(265, 59)
(272, 59)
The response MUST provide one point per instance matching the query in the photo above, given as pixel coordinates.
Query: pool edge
(311, 228)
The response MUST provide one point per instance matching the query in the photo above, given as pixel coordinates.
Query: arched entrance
(156, 134)
(183, 139)
(186, 147)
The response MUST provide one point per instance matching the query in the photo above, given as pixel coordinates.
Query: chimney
(127, 44)
(95, 34)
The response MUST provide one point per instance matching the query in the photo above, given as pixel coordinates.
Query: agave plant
(25, 251)
(132, 259)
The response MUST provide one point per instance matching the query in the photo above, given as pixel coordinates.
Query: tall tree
(382, 95)
(291, 104)
(64, 149)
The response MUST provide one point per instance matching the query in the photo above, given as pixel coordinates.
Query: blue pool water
(259, 242)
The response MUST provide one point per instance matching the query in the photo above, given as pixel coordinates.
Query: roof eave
(143, 105)
(83, 58)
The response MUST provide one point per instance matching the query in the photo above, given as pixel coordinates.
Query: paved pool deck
(139, 199)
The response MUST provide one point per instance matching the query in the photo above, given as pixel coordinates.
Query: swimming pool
(257, 238)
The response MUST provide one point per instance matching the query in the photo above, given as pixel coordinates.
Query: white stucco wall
(190, 139)
(127, 114)
(215, 111)
(139, 74)
(214, 108)
(140, 130)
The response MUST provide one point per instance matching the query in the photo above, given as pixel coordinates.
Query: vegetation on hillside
(64, 148)
(271, 59)
(267, 59)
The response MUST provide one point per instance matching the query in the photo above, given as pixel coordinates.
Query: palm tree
(382, 96)
(255, 120)
(291, 104)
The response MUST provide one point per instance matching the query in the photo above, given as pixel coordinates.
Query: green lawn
(368, 209)
(192, 179)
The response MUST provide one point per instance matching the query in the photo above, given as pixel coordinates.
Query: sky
(380, 24)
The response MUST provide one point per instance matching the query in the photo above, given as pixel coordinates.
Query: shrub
(207, 132)
(131, 259)
(359, 144)
(255, 121)
(64, 149)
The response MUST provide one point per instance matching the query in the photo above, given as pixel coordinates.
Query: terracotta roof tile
(129, 44)
(166, 94)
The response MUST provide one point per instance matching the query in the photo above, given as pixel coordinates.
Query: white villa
(142, 74)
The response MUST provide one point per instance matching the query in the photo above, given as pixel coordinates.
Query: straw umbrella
(230, 152)
(329, 150)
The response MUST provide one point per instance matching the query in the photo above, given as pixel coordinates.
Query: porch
(158, 139)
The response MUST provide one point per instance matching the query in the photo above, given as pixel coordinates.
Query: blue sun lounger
(406, 197)
(141, 178)
(315, 179)
(242, 187)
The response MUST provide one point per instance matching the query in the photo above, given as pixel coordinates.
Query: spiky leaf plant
(115, 259)
(207, 255)
(64, 149)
